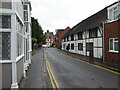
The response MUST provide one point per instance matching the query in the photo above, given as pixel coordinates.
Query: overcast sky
(58, 14)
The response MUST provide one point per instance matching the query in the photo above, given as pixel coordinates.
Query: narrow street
(71, 73)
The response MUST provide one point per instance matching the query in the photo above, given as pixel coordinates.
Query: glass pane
(6, 4)
(110, 15)
(25, 7)
(111, 44)
(116, 40)
(25, 15)
(115, 15)
(116, 46)
(6, 21)
(6, 46)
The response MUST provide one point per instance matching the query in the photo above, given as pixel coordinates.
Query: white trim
(19, 58)
(20, 18)
(113, 45)
(5, 61)
(112, 51)
(5, 30)
(6, 11)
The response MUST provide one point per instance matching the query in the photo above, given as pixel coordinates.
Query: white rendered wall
(97, 44)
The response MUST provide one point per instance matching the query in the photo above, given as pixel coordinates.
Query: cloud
(57, 14)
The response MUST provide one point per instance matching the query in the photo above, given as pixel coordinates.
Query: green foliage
(37, 32)
(34, 40)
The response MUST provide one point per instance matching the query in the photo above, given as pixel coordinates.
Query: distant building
(15, 41)
(49, 38)
(59, 35)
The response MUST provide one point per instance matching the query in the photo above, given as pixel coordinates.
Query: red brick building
(50, 38)
(59, 35)
(112, 35)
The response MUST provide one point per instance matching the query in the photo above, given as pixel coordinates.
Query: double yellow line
(51, 75)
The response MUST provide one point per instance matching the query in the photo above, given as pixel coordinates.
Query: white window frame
(111, 17)
(113, 45)
(9, 31)
(27, 13)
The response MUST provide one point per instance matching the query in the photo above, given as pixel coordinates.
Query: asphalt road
(71, 73)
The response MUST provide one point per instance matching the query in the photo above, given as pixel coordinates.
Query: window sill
(112, 21)
(113, 51)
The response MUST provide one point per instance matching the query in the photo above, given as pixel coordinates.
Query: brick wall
(61, 35)
(111, 31)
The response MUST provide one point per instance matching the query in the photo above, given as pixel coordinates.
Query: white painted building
(86, 38)
(15, 41)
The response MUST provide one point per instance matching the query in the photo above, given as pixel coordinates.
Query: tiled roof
(89, 23)
(49, 34)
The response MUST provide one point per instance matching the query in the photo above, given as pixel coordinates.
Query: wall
(97, 44)
(60, 36)
(6, 75)
(20, 70)
(111, 31)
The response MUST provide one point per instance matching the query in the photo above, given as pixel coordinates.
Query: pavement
(37, 76)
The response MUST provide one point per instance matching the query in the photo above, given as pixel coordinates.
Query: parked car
(45, 46)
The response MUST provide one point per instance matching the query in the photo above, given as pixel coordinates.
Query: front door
(91, 49)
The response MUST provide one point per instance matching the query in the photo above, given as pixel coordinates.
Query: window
(7, 4)
(113, 44)
(26, 15)
(113, 13)
(80, 36)
(64, 40)
(6, 21)
(72, 46)
(67, 38)
(25, 12)
(25, 7)
(80, 46)
(87, 46)
(5, 45)
(72, 37)
(93, 33)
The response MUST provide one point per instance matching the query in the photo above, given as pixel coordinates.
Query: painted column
(13, 47)
(14, 52)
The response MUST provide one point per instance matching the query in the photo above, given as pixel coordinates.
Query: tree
(37, 31)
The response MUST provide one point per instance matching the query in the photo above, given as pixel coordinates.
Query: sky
(59, 14)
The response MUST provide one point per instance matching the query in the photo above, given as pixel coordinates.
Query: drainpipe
(103, 23)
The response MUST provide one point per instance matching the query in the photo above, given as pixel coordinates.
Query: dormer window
(113, 13)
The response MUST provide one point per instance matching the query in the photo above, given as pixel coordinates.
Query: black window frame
(80, 35)
(72, 46)
(93, 33)
(80, 46)
(72, 37)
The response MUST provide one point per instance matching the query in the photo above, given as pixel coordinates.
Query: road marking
(92, 64)
(51, 75)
